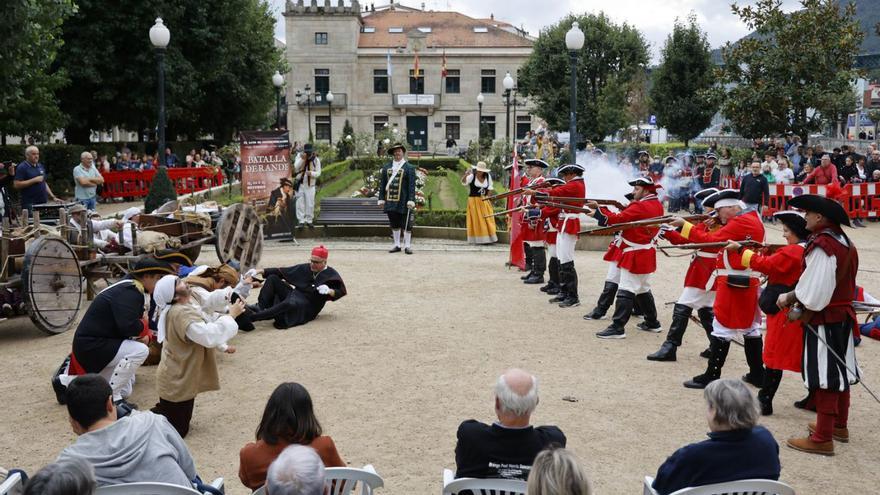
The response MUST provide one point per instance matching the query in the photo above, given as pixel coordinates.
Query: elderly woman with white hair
(737, 447)
(298, 470)
(506, 448)
(188, 366)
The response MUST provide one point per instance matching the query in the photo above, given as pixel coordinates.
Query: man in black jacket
(507, 448)
(753, 188)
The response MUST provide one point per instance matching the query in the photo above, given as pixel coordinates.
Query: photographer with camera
(306, 170)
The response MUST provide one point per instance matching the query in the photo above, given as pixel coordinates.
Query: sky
(654, 18)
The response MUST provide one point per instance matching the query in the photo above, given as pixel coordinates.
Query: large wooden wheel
(240, 236)
(51, 284)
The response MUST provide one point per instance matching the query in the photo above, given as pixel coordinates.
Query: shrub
(450, 218)
(334, 170)
(161, 191)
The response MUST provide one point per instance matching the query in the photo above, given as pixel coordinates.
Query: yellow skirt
(480, 230)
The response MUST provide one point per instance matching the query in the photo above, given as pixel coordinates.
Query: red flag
(416, 66)
(443, 70)
(517, 254)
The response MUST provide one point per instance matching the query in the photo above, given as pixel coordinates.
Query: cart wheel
(240, 236)
(51, 284)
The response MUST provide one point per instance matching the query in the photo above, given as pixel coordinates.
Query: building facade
(368, 61)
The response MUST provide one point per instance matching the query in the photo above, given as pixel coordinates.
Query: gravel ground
(415, 348)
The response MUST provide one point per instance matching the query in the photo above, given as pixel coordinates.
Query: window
(417, 84)
(453, 127)
(453, 81)
(523, 125)
(380, 81)
(487, 81)
(395, 30)
(368, 29)
(322, 83)
(425, 29)
(322, 127)
(379, 123)
(481, 29)
(487, 129)
(320, 38)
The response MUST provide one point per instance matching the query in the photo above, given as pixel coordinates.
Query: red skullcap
(320, 252)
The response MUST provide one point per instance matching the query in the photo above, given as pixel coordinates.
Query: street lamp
(160, 37)
(329, 98)
(278, 81)
(479, 122)
(307, 94)
(508, 87)
(574, 41)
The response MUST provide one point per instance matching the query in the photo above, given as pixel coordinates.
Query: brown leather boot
(811, 447)
(840, 434)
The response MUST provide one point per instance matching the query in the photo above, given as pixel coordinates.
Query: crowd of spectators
(290, 452)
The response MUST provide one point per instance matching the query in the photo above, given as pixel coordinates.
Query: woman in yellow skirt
(480, 227)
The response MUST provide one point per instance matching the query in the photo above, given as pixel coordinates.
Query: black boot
(552, 286)
(622, 311)
(808, 403)
(529, 261)
(645, 301)
(707, 317)
(539, 264)
(754, 347)
(57, 386)
(562, 295)
(609, 292)
(637, 312)
(571, 287)
(680, 316)
(772, 378)
(719, 348)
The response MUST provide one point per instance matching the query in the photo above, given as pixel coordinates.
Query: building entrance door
(417, 133)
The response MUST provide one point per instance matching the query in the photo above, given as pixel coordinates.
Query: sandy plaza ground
(415, 348)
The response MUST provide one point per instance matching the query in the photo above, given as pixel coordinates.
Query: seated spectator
(138, 447)
(875, 176)
(557, 472)
(507, 448)
(72, 477)
(737, 448)
(287, 420)
(783, 174)
(298, 470)
(805, 171)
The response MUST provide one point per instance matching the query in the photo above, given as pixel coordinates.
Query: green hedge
(450, 218)
(341, 184)
(654, 149)
(430, 163)
(333, 171)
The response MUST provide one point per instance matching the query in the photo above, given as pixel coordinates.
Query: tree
(345, 146)
(681, 95)
(611, 57)
(161, 191)
(794, 73)
(29, 40)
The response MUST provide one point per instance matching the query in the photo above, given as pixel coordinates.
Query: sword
(839, 359)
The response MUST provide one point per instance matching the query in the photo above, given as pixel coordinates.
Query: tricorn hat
(147, 265)
(571, 168)
(395, 146)
(534, 162)
(646, 182)
(828, 208)
(552, 182)
(705, 193)
(795, 222)
(711, 156)
(171, 256)
(722, 198)
(286, 182)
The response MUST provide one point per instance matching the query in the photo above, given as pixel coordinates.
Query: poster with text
(265, 160)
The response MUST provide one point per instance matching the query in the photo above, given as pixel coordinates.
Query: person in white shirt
(783, 173)
(769, 160)
(77, 222)
(306, 170)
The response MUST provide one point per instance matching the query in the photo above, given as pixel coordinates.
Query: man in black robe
(295, 295)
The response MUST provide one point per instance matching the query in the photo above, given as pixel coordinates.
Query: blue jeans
(91, 203)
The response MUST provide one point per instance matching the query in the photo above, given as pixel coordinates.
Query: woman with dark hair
(288, 419)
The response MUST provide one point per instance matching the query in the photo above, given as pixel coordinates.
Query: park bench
(350, 211)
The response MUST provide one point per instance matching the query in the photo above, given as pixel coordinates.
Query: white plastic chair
(12, 485)
(478, 486)
(740, 487)
(347, 478)
(153, 488)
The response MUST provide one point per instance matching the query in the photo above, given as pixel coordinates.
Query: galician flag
(388, 62)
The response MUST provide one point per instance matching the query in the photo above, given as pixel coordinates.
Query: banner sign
(265, 160)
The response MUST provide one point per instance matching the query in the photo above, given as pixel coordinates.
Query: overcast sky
(654, 18)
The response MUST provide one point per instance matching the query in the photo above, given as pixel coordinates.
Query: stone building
(367, 60)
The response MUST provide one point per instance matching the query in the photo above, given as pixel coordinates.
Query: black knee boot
(645, 301)
(562, 295)
(529, 260)
(609, 292)
(622, 311)
(638, 312)
(772, 378)
(59, 388)
(571, 287)
(719, 349)
(707, 317)
(539, 265)
(754, 348)
(552, 286)
(681, 315)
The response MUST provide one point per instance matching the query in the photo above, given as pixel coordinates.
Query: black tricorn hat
(795, 222)
(147, 265)
(705, 193)
(713, 198)
(171, 256)
(828, 208)
(553, 182)
(286, 182)
(534, 162)
(395, 146)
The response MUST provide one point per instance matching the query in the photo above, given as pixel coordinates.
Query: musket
(721, 244)
(648, 222)
(602, 202)
(505, 212)
(512, 192)
(563, 206)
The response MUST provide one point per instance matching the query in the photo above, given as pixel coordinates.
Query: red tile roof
(448, 29)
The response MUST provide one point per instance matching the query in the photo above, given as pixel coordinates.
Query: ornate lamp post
(574, 41)
(329, 98)
(307, 94)
(277, 81)
(480, 99)
(160, 36)
(508, 87)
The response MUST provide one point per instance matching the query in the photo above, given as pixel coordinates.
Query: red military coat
(735, 307)
(568, 220)
(532, 229)
(703, 262)
(784, 341)
(635, 252)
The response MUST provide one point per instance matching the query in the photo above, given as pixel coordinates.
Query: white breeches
(551, 250)
(120, 372)
(565, 247)
(635, 283)
(696, 298)
(305, 204)
(613, 274)
(722, 332)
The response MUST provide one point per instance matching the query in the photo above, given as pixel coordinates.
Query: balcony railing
(340, 100)
(407, 100)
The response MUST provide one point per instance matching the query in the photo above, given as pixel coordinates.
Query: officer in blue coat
(397, 196)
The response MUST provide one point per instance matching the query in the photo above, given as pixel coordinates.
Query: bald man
(86, 180)
(507, 448)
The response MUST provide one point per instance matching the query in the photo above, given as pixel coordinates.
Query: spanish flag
(416, 66)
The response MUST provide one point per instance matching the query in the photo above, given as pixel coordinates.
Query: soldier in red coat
(551, 229)
(635, 259)
(533, 228)
(569, 226)
(736, 286)
(783, 345)
(696, 295)
(824, 295)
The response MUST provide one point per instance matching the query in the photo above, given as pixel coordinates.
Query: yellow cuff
(747, 258)
(686, 230)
